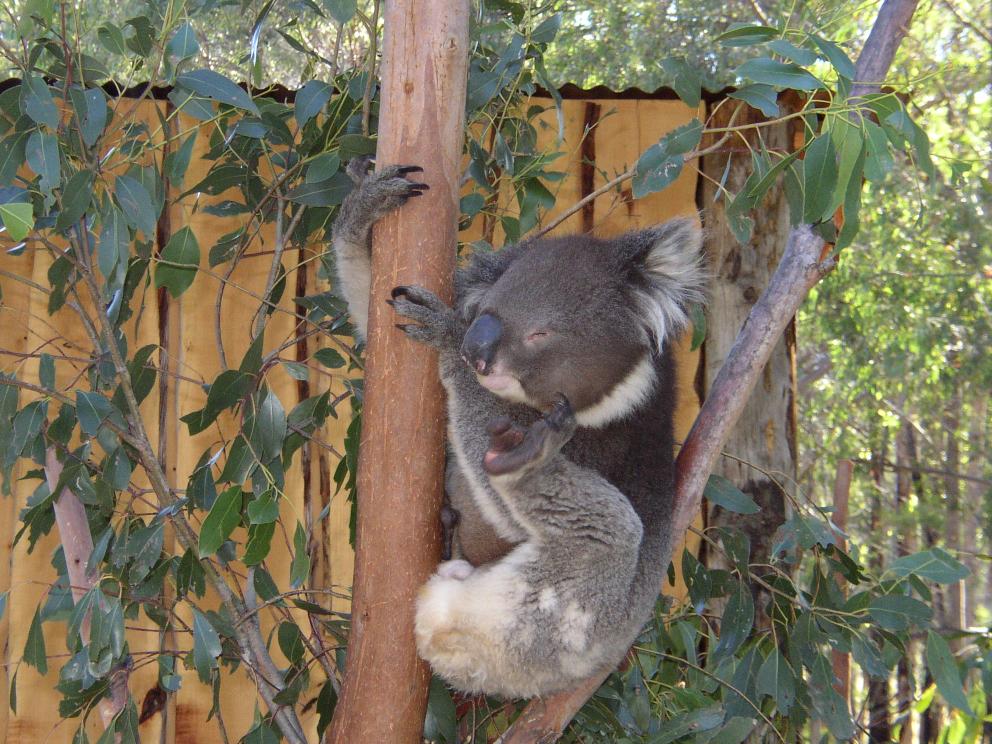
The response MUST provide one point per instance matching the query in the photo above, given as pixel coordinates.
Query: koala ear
(665, 264)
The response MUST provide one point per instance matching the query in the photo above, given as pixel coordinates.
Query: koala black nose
(480, 342)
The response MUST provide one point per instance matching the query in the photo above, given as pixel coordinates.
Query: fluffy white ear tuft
(674, 274)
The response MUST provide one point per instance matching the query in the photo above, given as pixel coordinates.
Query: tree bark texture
(401, 464)
(763, 442)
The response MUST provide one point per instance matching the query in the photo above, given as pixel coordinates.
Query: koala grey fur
(564, 517)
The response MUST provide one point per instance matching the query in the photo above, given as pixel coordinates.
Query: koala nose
(480, 342)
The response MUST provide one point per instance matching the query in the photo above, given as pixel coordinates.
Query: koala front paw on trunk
(436, 323)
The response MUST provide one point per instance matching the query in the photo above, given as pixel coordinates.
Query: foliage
(86, 182)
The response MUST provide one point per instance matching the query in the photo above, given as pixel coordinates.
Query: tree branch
(77, 545)
(800, 268)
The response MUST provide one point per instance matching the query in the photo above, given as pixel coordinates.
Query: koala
(556, 361)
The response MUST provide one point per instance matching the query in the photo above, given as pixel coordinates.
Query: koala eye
(536, 337)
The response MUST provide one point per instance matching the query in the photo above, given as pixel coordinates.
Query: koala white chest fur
(557, 365)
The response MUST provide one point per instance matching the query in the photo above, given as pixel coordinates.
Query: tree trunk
(422, 112)
(974, 504)
(879, 718)
(954, 598)
(905, 544)
(763, 442)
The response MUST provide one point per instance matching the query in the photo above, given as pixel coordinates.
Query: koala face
(560, 319)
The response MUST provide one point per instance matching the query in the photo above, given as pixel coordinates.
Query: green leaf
(933, 565)
(776, 679)
(836, 56)
(259, 543)
(271, 423)
(945, 672)
(92, 115)
(698, 318)
(878, 162)
(748, 35)
(897, 612)
(329, 358)
(34, 647)
(311, 99)
(799, 55)
(662, 163)
(183, 43)
(224, 516)
(299, 569)
(11, 156)
(112, 39)
(327, 193)
(341, 11)
(546, 30)
(27, 424)
(177, 161)
(722, 492)
(762, 97)
(113, 246)
(684, 79)
(93, 409)
(780, 74)
(37, 102)
(264, 509)
(735, 626)
(866, 656)
(76, 196)
(441, 721)
(178, 262)
(216, 87)
(18, 218)
(42, 151)
(226, 390)
(136, 202)
(323, 167)
(698, 721)
(819, 179)
(206, 646)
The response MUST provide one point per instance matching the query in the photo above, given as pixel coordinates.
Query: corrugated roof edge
(569, 91)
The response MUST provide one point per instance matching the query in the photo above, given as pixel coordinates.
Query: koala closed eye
(535, 338)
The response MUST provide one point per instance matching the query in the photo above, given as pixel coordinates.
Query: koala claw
(437, 322)
(404, 169)
(513, 449)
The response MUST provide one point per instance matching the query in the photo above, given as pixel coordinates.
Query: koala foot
(513, 449)
(437, 324)
(380, 192)
(457, 569)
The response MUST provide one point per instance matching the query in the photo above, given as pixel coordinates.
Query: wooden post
(401, 462)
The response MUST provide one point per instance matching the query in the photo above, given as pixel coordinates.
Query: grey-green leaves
(217, 87)
(178, 263)
(224, 516)
(662, 163)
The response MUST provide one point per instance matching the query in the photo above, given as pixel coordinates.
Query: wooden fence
(622, 128)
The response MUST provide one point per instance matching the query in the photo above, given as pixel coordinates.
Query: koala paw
(513, 449)
(437, 324)
(384, 190)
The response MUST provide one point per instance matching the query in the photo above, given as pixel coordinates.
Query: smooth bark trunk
(400, 478)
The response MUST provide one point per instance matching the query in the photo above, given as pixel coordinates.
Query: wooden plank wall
(183, 329)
